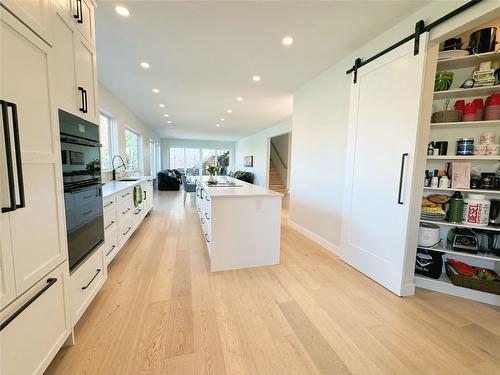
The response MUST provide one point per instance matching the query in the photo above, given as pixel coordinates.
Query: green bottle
(455, 212)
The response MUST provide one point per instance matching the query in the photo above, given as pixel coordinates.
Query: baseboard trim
(314, 237)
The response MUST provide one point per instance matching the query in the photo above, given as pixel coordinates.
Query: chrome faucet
(115, 168)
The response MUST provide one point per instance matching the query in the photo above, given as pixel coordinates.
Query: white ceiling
(203, 55)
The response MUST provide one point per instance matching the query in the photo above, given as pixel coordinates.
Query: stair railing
(279, 156)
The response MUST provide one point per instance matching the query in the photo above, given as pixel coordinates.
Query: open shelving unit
(450, 132)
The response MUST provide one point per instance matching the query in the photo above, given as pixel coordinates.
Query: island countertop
(113, 187)
(240, 189)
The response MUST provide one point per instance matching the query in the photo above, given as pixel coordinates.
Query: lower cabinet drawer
(35, 328)
(109, 202)
(137, 215)
(110, 220)
(111, 246)
(124, 231)
(125, 211)
(85, 282)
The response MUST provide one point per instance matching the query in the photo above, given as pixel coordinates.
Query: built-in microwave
(81, 167)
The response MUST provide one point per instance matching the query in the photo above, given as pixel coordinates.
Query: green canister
(455, 213)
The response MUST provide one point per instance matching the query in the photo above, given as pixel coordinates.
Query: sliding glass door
(194, 161)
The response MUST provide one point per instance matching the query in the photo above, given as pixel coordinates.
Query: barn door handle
(403, 162)
(8, 154)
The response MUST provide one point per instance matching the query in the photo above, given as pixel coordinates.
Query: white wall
(257, 145)
(320, 120)
(124, 118)
(167, 143)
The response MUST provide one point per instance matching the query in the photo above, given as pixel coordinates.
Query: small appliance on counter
(428, 235)
(462, 239)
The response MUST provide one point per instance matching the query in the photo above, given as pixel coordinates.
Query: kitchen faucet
(113, 165)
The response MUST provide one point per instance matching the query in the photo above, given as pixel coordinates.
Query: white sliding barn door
(385, 108)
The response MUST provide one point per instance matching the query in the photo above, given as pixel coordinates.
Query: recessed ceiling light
(162, 105)
(145, 65)
(165, 115)
(223, 119)
(256, 78)
(287, 41)
(122, 11)
(156, 91)
(229, 111)
(239, 98)
(217, 125)
(169, 122)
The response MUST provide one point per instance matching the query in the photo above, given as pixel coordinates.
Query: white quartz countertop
(113, 187)
(242, 188)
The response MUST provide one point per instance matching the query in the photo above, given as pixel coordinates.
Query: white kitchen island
(241, 223)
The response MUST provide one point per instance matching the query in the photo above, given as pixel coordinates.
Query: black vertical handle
(82, 108)
(77, 15)
(19, 163)
(80, 7)
(8, 154)
(403, 159)
(85, 101)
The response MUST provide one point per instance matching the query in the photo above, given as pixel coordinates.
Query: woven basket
(472, 282)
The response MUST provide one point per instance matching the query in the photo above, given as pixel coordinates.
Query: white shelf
(473, 191)
(458, 157)
(444, 249)
(466, 93)
(447, 224)
(466, 61)
(463, 124)
(444, 285)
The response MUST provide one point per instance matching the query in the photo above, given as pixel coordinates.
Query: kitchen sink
(128, 179)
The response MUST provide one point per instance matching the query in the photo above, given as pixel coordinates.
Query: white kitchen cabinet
(36, 226)
(35, 14)
(85, 281)
(381, 170)
(35, 327)
(80, 14)
(75, 79)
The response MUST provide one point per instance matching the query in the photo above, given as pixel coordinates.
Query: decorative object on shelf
(465, 146)
(212, 170)
(443, 80)
(467, 84)
(476, 210)
(460, 175)
(456, 210)
(429, 263)
(248, 161)
(479, 150)
(488, 138)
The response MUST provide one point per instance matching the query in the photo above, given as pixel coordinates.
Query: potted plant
(212, 170)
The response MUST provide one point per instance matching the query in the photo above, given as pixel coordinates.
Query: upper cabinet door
(86, 20)
(378, 236)
(87, 78)
(37, 226)
(34, 13)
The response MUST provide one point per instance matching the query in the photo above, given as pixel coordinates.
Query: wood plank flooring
(162, 312)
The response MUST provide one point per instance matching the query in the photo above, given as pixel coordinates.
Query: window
(132, 149)
(194, 161)
(107, 137)
(158, 157)
(152, 158)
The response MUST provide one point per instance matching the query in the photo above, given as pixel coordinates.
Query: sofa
(243, 176)
(169, 179)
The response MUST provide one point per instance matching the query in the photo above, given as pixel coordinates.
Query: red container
(493, 100)
(478, 103)
(469, 112)
(459, 107)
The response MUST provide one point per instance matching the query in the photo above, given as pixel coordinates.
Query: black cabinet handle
(127, 210)
(85, 101)
(206, 215)
(128, 230)
(206, 238)
(19, 163)
(82, 108)
(110, 250)
(77, 15)
(145, 195)
(79, 5)
(51, 281)
(109, 204)
(403, 159)
(92, 279)
(8, 154)
(123, 196)
(137, 212)
(110, 224)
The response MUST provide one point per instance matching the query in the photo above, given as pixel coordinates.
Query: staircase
(275, 182)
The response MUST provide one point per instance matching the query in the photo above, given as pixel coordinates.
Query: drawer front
(109, 202)
(138, 214)
(85, 282)
(125, 211)
(111, 246)
(125, 195)
(110, 221)
(32, 339)
(124, 232)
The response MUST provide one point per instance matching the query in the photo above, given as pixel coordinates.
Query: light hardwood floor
(162, 312)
